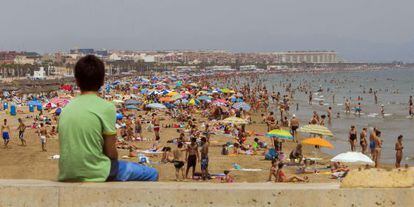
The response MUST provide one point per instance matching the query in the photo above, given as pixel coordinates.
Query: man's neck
(89, 92)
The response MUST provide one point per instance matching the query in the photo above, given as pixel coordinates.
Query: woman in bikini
(398, 151)
(363, 140)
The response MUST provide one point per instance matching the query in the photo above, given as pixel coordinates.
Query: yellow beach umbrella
(172, 93)
(318, 142)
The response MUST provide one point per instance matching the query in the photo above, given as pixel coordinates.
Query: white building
(40, 74)
(114, 57)
(22, 60)
(247, 67)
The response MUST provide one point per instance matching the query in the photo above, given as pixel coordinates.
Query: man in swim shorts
(5, 129)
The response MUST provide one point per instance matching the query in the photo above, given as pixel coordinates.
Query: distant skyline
(359, 30)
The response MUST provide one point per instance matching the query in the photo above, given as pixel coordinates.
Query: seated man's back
(81, 125)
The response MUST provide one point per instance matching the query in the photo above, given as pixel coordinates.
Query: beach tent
(352, 157)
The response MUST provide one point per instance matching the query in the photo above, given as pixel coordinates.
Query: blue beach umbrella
(243, 105)
(132, 102)
(131, 107)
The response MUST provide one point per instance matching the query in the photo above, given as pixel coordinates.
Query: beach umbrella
(204, 98)
(166, 99)
(280, 133)
(192, 102)
(318, 142)
(131, 107)
(169, 105)
(172, 93)
(144, 91)
(156, 106)
(234, 120)
(352, 157)
(176, 97)
(34, 103)
(194, 84)
(243, 105)
(131, 102)
(316, 129)
(118, 101)
(226, 90)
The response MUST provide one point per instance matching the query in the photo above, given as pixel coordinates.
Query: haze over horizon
(359, 30)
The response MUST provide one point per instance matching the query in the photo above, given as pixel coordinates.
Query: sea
(393, 86)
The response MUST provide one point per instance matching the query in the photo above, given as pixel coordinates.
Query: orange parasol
(318, 142)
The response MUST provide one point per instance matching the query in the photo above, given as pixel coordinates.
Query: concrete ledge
(47, 193)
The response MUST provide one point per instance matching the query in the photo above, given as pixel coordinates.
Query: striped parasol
(316, 129)
(279, 133)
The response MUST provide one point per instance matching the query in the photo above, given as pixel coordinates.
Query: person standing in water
(363, 140)
(358, 109)
(330, 115)
(310, 97)
(347, 106)
(398, 151)
(352, 137)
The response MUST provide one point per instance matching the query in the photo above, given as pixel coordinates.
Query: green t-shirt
(82, 124)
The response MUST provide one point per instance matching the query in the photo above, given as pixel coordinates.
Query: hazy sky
(360, 30)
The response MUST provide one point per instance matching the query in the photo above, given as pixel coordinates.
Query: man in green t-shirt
(87, 134)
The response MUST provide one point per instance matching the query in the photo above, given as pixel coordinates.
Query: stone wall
(46, 193)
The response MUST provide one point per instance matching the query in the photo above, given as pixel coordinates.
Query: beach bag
(271, 154)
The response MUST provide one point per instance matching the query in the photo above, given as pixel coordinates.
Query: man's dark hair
(90, 73)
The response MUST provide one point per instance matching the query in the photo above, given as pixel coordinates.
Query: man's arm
(110, 146)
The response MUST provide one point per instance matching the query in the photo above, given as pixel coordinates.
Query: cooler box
(13, 110)
(31, 108)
